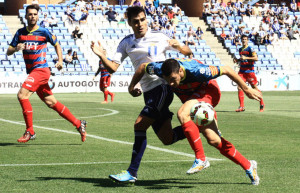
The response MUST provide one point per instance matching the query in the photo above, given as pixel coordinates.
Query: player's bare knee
(183, 117)
(213, 142)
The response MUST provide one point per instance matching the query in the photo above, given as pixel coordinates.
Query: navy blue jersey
(247, 66)
(196, 74)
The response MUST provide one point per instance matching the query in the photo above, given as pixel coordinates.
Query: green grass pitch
(57, 161)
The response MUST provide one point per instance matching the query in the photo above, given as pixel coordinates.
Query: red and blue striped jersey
(103, 70)
(196, 73)
(247, 66)
(35, 46)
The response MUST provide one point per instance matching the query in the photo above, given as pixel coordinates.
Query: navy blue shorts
(157, 102)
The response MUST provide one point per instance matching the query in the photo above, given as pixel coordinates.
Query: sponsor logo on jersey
(202, 70)
(29, 79)
(151, 70)
(28, 85)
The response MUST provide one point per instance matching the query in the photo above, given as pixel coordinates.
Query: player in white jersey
(144, 46)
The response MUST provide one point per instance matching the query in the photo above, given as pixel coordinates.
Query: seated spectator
(242, 10)
(281, 17)
(199, 33)
(290, 33)
(104, 5)
(121, 2)
(189, 39)
(137, 3)
(223, 21)
(237, 41)
(215, 23)
(81, 4)
(68, 58)
(206, 12)
(282, 33)
(228, 9)
(76, 33)
(176, 9)
(84, 16)
(255, 10)
(248, 10)
(223, 36)
(169, 32)
(163, 20)
(231, 34)
(170, 14)
(45, 21)
(267, 40)
(273, 38)
(156, 4)
(160, 9)
(288, 21)
(151, 10)
(53, 22)
(298, 5)
(293, 6)
(89, 6)
(214, 10)
(175, 20)
(75, 59)
(155, 26)
(97, 5)
(111, 15)
(276, 27)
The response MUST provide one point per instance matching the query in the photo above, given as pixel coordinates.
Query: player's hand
(135, 92)
(174, 43)
(20, 46)
(235, 60)
(243, 57)
(97, 48)
(59, 65)
(94, 77)
(253, 94)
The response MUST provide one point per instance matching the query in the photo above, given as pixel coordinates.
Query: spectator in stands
(81, 4)
(223, 21)
(206, 12)
(45, 21)
(293, 6)
(75, 59)
(231, 34)
(214, 23)
(281, 17)
(163, 20)
(155, 26)
(255, 10)
(237, 41)
(76, 33)
(137, 3)
(176, 9)
(121, 2)
(248, 10)
(97, 5)
(35, 2)
(68, 58)
(290, 33)
(156, 3)
(175, 20)
(214, 9)
(89, 6)
(111, 15)
(84, 16)
(170, 14)
(104, 5)
(242, 10)
(288, 21)
(284, 9)
(282, 33)
(151, 10)
(199, 34)
(262, 35)
(190, 39)
(298, 5)
(223, 36)
(160, 9)
(53, 22)
(169, 32)
(276, 27)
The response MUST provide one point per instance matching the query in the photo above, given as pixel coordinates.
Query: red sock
(241, 98)
(105, 95)
(192, 133)
(27, 114)
(228, 150)
(110, 93)
(64, 112)
(261, 101)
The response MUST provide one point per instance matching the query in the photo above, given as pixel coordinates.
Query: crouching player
(193, 82)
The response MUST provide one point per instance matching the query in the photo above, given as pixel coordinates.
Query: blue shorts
(157, 102)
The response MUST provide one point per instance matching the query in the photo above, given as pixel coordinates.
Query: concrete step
(213, 42)
(13, 23)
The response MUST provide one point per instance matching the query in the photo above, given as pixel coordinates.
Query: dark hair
(243, 36)
(134, 11)
(170, 66)
(34, 6)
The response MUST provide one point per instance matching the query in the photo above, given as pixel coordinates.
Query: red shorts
(104, 82)
(249, 77)
(37, 81)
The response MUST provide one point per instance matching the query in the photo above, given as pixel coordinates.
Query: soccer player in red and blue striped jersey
(246, 61)
(32, 40)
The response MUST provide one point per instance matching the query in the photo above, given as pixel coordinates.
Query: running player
(32, 40)
(146, 46)
(104, 82)
(246, 61)
(192, 82)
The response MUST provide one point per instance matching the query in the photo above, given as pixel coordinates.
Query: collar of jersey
(146, 35)
(245, 48)
(183, 72)
(32, 30)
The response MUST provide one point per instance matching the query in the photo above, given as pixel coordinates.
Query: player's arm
(96, 74)
(11, 50)
(184, 49)
(139, 73)
(251, 93)
(100, 52)
(59, 63)
(253, 57)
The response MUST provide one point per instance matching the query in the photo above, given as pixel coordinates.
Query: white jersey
(150, 48)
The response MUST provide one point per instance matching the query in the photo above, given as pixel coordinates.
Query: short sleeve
(15, 40)
(51, 38)
(120, 54)
(154, 68)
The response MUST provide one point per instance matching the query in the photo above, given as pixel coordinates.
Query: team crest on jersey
(53, 37)
(151, 70)
(202, 70)
(29, 79)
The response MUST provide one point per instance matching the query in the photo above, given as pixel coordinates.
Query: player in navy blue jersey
(193, 82)
(246, 61)
(32, 40)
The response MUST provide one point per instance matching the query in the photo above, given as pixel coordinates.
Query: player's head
(32, 14)
(137, 20)
(244, 39)
(172, 72)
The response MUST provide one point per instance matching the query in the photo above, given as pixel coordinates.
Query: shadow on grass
(29, 144)
(147, 184)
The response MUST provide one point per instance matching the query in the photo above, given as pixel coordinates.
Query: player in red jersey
(32, 40)
(246, 61)
(104, 82)
(193, 82)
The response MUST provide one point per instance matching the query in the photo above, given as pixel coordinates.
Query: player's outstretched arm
(59, 63)
(96, 74)
(251, 93)
(100, 52)
(139, 73)
(11, 50)
(185, 50)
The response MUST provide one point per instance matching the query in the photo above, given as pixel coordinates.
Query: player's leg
(112, 95)
(253, 82)
(103, 89)
(241, 96)
(46, 95)
(214, 138)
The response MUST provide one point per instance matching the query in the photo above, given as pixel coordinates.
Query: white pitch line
(90, 163)
(110, 140)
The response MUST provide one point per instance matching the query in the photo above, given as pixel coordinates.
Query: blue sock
(139, 146)
(178, 134)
